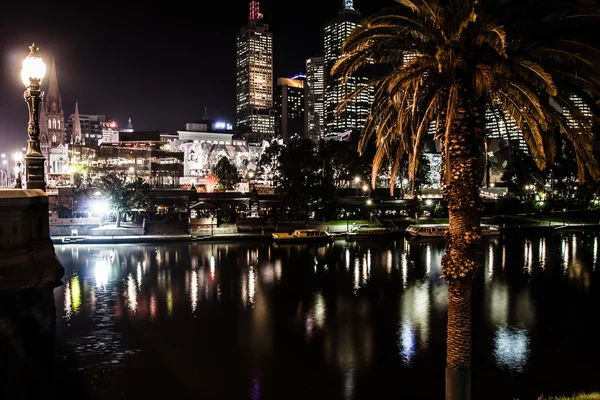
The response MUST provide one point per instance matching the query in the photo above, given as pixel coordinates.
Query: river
(337, 321)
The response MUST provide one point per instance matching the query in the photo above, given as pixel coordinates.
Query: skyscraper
(315, 97)
(289, 102)
(254, 76)
(354, 116)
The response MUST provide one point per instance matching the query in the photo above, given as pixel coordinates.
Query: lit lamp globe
(33, 69)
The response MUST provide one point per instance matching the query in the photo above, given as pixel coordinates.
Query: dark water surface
(338, 321)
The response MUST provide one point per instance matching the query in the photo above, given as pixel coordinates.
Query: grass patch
(582, 396)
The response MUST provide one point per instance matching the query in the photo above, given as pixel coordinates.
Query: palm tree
(448, 61)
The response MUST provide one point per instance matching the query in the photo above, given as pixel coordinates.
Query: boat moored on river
(302, 236)
(371, 233)
(439, 230)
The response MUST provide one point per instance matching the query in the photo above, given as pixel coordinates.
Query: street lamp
(356, 182)
(32, 73)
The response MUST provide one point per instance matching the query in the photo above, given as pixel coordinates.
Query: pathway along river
(337, 321)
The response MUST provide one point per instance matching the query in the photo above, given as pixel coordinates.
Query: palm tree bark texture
(462, 173)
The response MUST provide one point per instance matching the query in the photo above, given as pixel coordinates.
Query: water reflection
(338, 307)
(511, 348)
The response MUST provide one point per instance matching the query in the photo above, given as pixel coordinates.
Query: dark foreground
(362, 321)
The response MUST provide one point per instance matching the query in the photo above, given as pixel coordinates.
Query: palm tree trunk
(461, 190)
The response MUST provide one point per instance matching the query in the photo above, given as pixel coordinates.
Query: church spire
(76, 136)
(53, 100)
(129, 125)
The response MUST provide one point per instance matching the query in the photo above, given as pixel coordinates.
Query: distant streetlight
(365, 188)
(32, 73)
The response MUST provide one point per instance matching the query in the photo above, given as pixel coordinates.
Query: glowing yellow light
(75, 294)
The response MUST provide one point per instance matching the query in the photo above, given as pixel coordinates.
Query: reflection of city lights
(499, 303)
(542, 253)
(390, 262)
(153, 305)
(404, 270)
(194, 290)
(169, 302)
(503, 257)
(511, 348)
(131, 293)
(349, 385)
(528, 256)
(139, 275)
(406, 342)
(490, 266)
(320, 311)
(565, 254)
(68, 307)
(212, 267)
(428, 259)
(309, 325)
(75, 294)
(101, 272)
(356, 275)
(348, 260)
(278, 269)
(251, 285)
(595, 254)
(244, 290)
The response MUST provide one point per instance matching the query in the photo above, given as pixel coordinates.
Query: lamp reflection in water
(490, 264)
(428, 259)
(404, 270)
(565, 254)
(595, 254)
(194, 290)
(212, 267)
(511, 348)
(528, 256)
(414, 320)
(131, 293)
(542, 253)
(101, 272)
(72, 297)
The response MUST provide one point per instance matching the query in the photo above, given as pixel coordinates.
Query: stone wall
(29, 271)
(27, 257)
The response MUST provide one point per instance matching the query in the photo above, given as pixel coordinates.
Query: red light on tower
(255, 14)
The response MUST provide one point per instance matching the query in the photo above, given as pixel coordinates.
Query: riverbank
(505, 228)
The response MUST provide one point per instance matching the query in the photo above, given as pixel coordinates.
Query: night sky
(158, 65)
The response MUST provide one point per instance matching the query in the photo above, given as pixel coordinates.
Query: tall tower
(315, 97)
(289, 108)
(54, 113)
(254, 76)
(76, 136)
(336, 92)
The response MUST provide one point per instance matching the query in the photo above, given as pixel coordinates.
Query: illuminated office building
(254, 77)
(289, 105)
(315, 97)
(354, 115)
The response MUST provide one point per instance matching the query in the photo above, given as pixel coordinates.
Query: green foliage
(125, 197)
(472, 52)
(268, 165)
(226, 174)
(438, 210)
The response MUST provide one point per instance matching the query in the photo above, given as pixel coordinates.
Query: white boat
(370, 233)
(302, 236)
(439, 230)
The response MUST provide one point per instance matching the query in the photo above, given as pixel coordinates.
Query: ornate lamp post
(32, 73)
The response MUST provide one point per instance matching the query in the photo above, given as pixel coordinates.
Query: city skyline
(108, 63)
